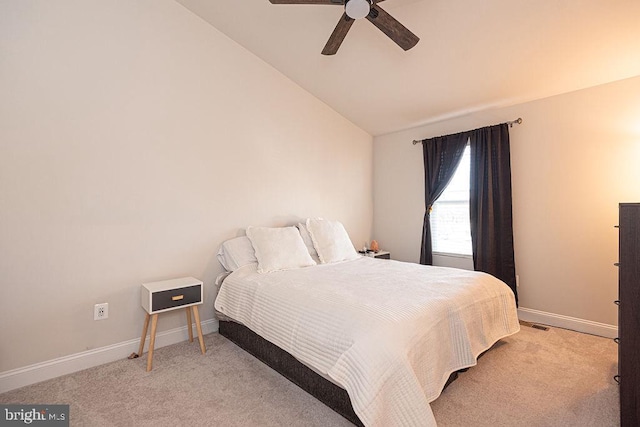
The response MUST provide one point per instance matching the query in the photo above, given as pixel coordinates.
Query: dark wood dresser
(629, 314)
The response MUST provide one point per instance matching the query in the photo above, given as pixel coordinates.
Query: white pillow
(331, 241)
(306, 238)
(234, 253)
(279, 248)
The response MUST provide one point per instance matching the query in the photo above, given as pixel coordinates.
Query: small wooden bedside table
(382, 255)
(379, 254)
(167, 295)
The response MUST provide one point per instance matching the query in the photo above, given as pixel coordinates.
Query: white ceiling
(472, 54)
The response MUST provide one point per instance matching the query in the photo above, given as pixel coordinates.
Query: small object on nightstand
(374, 246)
(167, 295)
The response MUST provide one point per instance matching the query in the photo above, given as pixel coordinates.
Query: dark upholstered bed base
(322, 389)
(288, 366)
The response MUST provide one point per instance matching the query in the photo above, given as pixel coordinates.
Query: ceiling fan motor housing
(357, 9)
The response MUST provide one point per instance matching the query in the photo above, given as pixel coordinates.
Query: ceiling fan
(358, 9)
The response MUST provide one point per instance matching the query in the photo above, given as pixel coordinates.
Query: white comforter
(388, 332)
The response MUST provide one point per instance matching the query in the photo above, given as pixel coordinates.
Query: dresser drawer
(170, 294)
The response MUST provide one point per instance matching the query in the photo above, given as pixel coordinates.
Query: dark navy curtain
(490, 204)
(441, 158)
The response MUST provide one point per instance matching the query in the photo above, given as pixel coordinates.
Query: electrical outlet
(517, 281)
(101, 311)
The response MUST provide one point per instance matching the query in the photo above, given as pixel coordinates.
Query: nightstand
(379, 254)
(167, 295)
(382, 255)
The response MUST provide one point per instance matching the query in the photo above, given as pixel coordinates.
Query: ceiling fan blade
(392, 28)
(341, 2)
(338, 35)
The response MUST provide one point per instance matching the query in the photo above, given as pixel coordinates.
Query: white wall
(574, 158)
(134, 139)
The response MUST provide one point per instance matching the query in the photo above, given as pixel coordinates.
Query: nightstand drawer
(175, 298)
(170, 294)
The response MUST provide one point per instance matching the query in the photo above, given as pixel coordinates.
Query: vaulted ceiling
(472, 54)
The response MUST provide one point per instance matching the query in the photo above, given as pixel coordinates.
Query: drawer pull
(617, 302)
(616, 340)
(177, 298)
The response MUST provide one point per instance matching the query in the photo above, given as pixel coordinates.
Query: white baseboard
(16, 378)
(566, 322)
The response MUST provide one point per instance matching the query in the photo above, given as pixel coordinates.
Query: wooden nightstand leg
(144, 334)
(152, 341)
(189, 324)
(196, 314)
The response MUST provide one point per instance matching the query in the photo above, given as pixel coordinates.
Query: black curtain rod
(511, 123)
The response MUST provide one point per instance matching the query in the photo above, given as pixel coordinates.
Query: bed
(378, 340)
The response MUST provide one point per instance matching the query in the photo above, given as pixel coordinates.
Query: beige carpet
(535, 378)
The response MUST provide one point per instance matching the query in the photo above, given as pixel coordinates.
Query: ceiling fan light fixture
(357, 9)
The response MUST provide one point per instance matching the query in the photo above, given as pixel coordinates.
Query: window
(450, 223)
